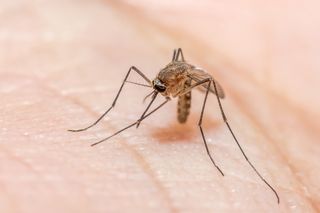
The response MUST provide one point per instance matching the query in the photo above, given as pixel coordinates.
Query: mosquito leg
(238, 144)
(148, 107)
(200, 126)
(131, 125)
(116, 98)
(174, 55)
(179, 53)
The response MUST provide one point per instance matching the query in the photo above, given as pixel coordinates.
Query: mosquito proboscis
(177, 80)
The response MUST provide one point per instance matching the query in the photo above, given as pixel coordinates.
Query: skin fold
(62, 63)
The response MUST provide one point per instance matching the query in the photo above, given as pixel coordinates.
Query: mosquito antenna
(131, 125)
(238, 144)
(144, 85)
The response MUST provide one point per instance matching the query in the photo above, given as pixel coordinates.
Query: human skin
(62, 63)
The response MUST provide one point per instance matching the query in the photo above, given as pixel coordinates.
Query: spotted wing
(198, 74)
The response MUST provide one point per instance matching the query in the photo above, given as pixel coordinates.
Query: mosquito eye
(160, 87)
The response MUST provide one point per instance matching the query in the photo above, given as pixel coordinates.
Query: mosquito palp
(177, 80)
(147, 96)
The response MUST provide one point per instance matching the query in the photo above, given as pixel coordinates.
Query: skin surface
(62, 62)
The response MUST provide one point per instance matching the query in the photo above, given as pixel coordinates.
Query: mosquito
(177, 80)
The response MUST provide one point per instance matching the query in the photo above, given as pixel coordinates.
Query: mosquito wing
(198, 74)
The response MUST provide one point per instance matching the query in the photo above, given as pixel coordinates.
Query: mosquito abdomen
(184, 104)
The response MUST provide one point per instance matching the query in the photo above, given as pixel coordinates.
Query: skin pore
(62, 63)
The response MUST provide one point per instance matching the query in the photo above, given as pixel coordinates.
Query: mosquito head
(159, 85)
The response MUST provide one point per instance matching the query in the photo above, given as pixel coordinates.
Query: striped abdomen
(184, 104)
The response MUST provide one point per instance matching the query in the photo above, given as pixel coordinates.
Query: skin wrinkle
(20, 161)
(237, 99)
(3, 188)
(282, 156)
(25, 164)
(178, 35)
(29, 167)
(133, 152)
(35, 80)
(261, 130)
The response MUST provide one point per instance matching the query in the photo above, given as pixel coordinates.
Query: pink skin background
(62, 62)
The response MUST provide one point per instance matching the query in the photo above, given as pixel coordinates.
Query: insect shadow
(177, 80)
(175, 132)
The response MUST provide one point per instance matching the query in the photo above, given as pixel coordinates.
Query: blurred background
(265, 54)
